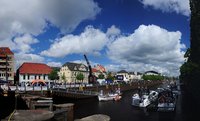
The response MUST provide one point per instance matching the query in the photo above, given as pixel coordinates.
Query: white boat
(144, 100)
(166, 107)
(138, 101)
(166, 101)
(105, 98)
(109, 96)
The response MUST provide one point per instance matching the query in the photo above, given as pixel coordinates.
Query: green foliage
(54, 74)
(101, 76)
(187, 53)
(80, 77)
(189, 71)
(110, 76)
(152, 77)
(63, 77)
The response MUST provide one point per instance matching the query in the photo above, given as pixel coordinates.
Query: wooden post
(70, 110)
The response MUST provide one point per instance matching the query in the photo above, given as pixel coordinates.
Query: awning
(3, 81)
(38, 81)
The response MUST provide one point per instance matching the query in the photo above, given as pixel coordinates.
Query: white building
(134, 76)
(30, 72)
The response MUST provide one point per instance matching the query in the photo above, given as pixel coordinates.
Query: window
(44, 76)
(39, 76)
(24, 76)
(28, 76)
(35, 76)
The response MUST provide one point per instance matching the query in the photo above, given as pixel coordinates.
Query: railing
(76, 92)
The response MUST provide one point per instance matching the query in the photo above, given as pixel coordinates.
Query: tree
(110, 76)
(80, 77)
(190, 70)
(152, 77)
(101, 76)
(54, 74)
(64, 77)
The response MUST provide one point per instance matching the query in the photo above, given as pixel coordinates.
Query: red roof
(94, 70)
(34, 68)
(5, 50)
(99, 68)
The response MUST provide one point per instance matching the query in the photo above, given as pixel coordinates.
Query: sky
(133, 35)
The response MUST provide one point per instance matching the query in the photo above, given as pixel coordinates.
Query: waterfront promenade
(8, 103)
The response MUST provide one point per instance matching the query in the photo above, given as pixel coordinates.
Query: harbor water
(122, 110)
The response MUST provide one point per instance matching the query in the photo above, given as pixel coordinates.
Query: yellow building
(70, 70)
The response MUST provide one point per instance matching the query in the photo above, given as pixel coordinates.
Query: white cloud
(150, 47)
(23, 57)
(90, 41)
(23, 43)
(22, 20)
(20, 43)
(54, 64)
(30, 17)
(178, 6)
(113, 31)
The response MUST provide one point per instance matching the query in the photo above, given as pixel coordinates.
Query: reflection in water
(123, 110)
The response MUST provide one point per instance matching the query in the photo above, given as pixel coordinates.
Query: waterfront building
(123, 75)
(6, 64)
(70, 70)
(99, 69)
(151, 73)
(29, 72)
(134, 76)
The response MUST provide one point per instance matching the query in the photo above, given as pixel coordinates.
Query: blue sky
(135, 35)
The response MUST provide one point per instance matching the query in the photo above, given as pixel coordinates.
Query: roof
(122, 71)
(99, 68)
(154, 72)
(95, 70)
(5, 50)
(34, 68)
(74, 66)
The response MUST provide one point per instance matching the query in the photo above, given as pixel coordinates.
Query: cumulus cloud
(54, 64)
(23, 57)
(23, 43)
(113, 31)
(178, 6)
(32, 17)
(151, 47)
(20, 43)
(22, 21)
(90, 41)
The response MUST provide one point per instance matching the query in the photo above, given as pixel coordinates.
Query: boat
(166, 101)
(109, 96)
(105, 98)
(145, 99)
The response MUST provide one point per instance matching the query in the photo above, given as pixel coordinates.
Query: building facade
(70, 70)
(6, 64)
(123, 75)
(135, 76)
(99, 69)
(28, 72)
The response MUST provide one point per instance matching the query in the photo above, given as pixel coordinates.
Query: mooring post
(70, 110)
